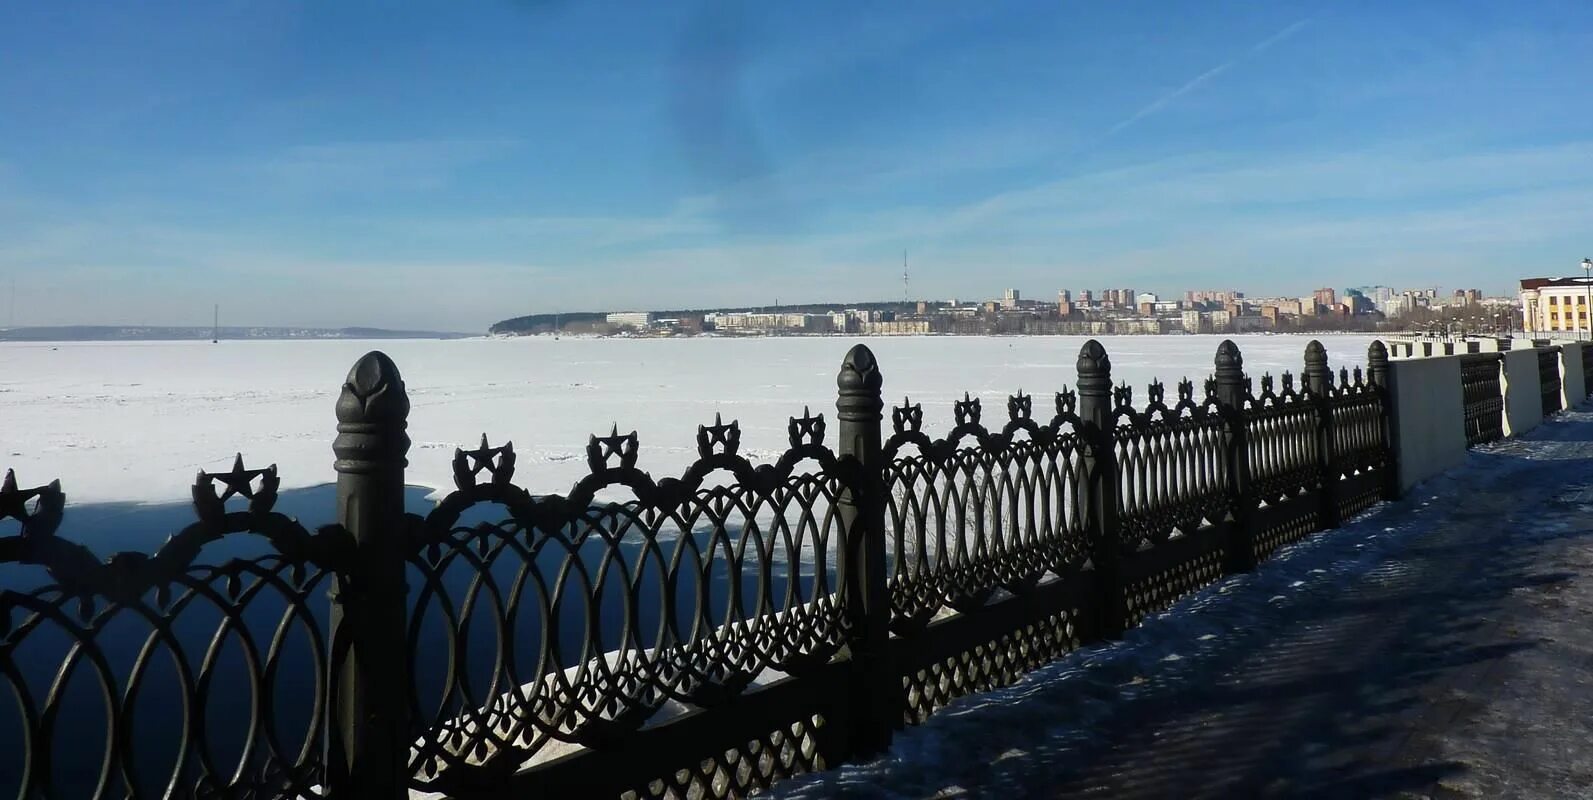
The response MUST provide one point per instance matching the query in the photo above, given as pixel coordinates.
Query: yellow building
(1555, 305)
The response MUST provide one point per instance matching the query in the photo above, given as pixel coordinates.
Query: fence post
(369, 735)
(1239, 551)
(875, 696)
(1101, 482)
(1377, 372)
(1319, 379)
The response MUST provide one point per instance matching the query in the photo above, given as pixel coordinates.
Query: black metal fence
(1587, 370)
(1483, 397)
(1549, 378)
(694, 636)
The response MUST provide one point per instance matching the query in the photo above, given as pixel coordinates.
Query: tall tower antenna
(215, 325)
(907, 287)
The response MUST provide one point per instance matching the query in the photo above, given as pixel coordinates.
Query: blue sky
(450, 164)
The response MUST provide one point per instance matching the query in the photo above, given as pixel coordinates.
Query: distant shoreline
(932, 335)
(162, 333)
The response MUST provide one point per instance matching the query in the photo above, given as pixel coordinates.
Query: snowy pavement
(1437, 647)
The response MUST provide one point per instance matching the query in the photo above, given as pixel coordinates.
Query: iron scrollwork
(1172, 475)
(687, 590)
(161, 634)
(979, 510)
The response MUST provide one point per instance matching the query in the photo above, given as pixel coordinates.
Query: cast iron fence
(1483, 397)
(696, 636)
(1549, 378)
(1587, 370)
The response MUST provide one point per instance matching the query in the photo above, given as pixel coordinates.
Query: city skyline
(314, 165)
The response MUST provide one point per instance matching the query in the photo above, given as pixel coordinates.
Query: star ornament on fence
(14, 501)
(718, 438)
(1019, 406)
(907, 417)
(495, 461)
(602, 451)
(966, 411)
(1123, 396)
(239, 481)
(47, 504)
(806, 429)
(1066, 401)
(1156, 392)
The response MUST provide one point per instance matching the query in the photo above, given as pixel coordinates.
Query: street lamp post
(1587, 287)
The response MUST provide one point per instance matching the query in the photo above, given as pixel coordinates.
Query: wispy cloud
(356, 166)
(1199, 80)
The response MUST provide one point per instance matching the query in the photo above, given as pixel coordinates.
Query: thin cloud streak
(1161, 102)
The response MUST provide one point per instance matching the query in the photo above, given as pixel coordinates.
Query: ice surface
(118, 421)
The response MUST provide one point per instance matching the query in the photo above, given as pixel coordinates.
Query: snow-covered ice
(134, 421)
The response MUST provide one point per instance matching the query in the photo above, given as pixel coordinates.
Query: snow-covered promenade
(1435, 647)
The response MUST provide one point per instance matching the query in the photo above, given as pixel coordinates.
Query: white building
(1555, 305)
(798, 323)
(1009, 298)
(639, 320)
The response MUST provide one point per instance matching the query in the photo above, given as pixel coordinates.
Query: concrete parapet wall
(1571, 375)
(1429, 424)
(1523, 397)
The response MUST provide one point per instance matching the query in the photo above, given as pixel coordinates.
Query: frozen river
(135, 421)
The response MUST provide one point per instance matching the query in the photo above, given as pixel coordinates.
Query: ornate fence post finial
(1099, 497)
(1230, 374)
(1380, 374)
(872, 693)
(1318, 377)
(1377, 363)
(1239, 550)
(1319, 380)
(858, 387)
(369, 731)
(1095, 385)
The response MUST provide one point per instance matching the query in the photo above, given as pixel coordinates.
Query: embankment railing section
(695, 636)
(1483, 397)
(1587, 370)
(1549, 379)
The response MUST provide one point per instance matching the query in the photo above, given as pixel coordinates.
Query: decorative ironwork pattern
(1283, 456)
(1290, 522)
(1172, 475)
(1483, 397)
(696, 636)
(576, 618)
(155, 674)
(1159, 591)
(1357, 412)
(1549, 379)
(978, 510)
(781, 753)
(1355, 497)
(998, 662)
(1587, 370)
